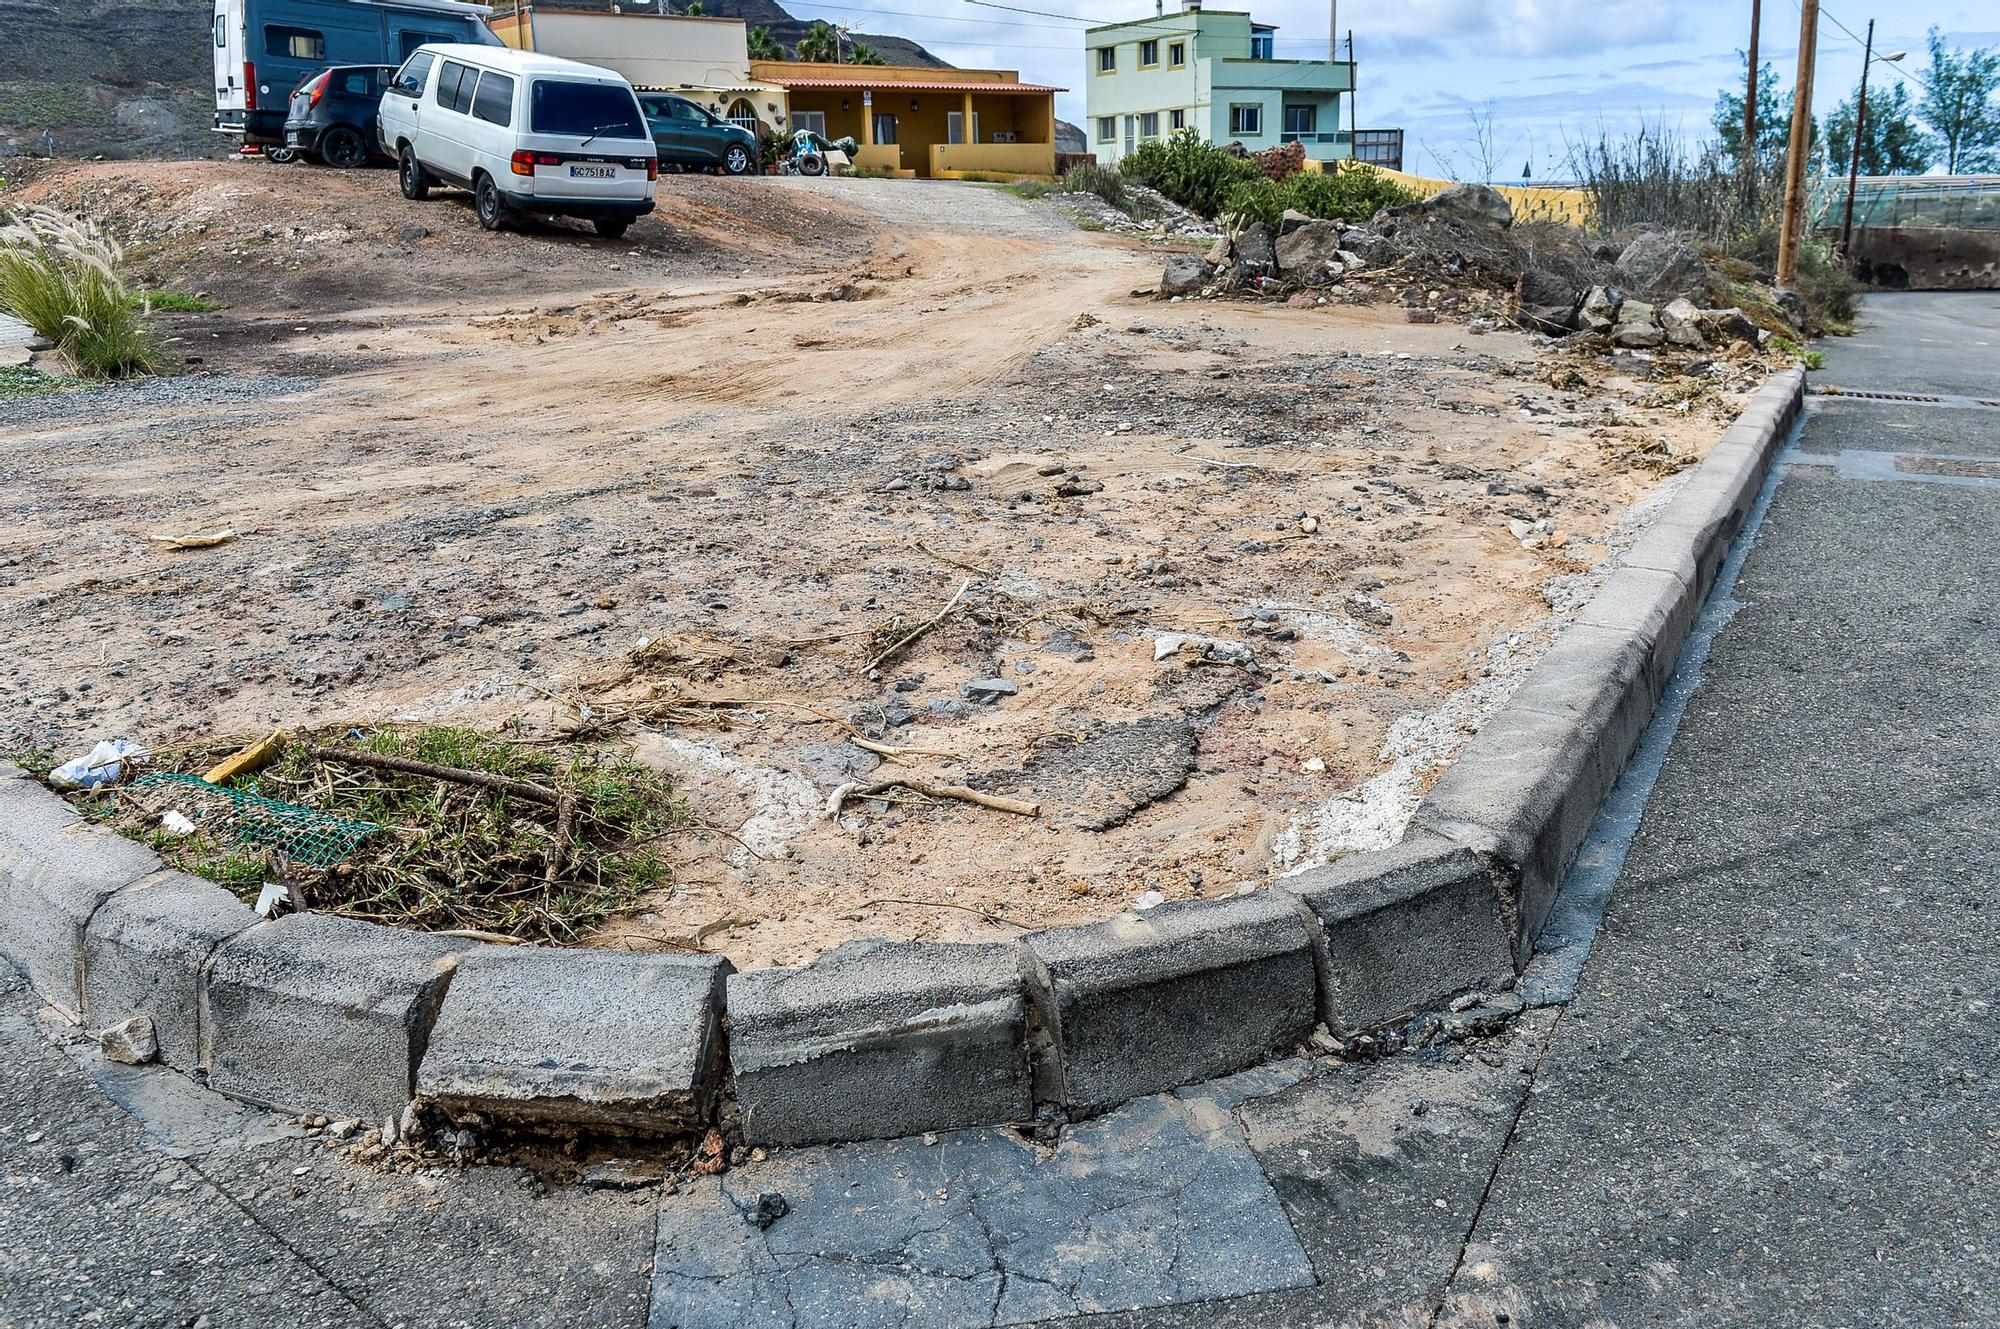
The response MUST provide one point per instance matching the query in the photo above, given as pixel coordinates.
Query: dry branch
(921, 628)
(998, 802)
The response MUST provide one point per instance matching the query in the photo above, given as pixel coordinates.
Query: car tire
(279, 153)
(487, 203)
(410, 175)
(737, 160)
(343, 148)
(612, 228)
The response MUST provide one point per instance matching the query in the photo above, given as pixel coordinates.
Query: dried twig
(998, 802)
(892, 752)
(1243, 465)
(921, 628)
(408, 766)
(923, 548)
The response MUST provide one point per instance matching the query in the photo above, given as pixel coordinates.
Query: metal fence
(1954, 202)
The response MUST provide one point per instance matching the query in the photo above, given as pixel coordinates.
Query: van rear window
(607, 110)
(494, 102)
(288, 43)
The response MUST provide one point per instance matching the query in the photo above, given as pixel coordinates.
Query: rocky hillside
(105, 77)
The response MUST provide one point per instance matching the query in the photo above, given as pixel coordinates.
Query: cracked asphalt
(1767, 1098)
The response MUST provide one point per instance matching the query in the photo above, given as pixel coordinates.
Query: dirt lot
(1229, 582)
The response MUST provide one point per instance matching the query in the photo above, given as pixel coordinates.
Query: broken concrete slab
(980, 1228)
(312, 1012)
(606, 1039)
(1183, 992)
(878, 1039)
(144, 952)
(1403, 929)
(1098, 781)
(55, 870)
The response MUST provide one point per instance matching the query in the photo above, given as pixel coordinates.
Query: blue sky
(1552, 71)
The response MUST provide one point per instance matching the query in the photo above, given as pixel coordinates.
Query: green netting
(1961, 202)
(316, 839)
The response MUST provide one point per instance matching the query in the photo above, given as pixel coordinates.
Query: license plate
(593, 172)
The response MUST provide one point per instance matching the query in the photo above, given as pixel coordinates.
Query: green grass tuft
(60, 276)
(171, 302)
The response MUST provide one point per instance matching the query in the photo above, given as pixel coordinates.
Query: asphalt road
(1772, 1099)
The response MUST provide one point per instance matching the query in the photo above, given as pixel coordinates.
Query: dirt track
(472, 473)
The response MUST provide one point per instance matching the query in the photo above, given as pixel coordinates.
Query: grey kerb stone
(1403, 929)
(55, 870)
(880, 1038)
(144, 953)
(600, 1038)
(322, 1013)
(1180, 993)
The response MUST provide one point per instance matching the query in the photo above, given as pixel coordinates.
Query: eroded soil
(1229, 581)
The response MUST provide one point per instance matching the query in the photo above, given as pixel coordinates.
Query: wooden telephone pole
(1750, 95)
(1799, 148)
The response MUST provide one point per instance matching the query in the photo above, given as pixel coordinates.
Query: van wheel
(612, 227)
(416, 185)
(343, 147)
(487, 203)
(736, 161)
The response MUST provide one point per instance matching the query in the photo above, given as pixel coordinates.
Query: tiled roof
(942, 85)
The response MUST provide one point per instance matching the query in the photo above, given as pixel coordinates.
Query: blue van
(263, 48)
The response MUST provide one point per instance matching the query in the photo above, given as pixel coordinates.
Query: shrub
(1655, 178)
(1357, 192)
(1199, 176)
(59, 275)
(1103, 181)
(1823, 282)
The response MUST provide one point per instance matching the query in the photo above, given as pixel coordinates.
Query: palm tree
(693, 9)
(819, 44)
(863, 54)
(763, 46)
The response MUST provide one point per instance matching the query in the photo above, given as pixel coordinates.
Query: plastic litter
(1148, 900)
(176, 824)
(102, 765)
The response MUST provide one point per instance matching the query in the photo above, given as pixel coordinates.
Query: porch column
(868, 118)
(968, 120)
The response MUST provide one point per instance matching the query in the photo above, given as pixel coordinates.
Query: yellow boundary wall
(1530, 202)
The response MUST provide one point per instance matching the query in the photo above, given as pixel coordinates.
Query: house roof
(928, 85)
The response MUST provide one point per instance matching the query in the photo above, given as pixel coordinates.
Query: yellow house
(706, 60)
(910, 120)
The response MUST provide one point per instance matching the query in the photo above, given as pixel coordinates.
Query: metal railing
(1339, 138)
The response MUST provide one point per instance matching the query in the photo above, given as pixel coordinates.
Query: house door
(885, 129)
(1301, 121)
(954, 127)
(1131, 133)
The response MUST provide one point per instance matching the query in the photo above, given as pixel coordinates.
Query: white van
(524, 132)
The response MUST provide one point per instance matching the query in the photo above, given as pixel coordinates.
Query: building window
(1246, 120)
(744, 116)
(1107, 59)
(1263, 42)
(1149, 54)
(293, 43)
(1149, 124)
(1177, 54)
(885, 129)
(1177, 119)
(813, 120)
(1301, 121)
(1107, 129)
(954, 127)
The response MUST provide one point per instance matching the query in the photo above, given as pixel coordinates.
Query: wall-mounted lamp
(844, 106)
(913, 103)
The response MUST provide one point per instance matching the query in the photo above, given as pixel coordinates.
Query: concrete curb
(316, 1013)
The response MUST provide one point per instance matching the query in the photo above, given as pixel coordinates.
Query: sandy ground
(760, 442)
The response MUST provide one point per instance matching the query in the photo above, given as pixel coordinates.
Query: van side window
(412, 40)
(294, 43)
(454, 90)
(410, 78)
(494, 102)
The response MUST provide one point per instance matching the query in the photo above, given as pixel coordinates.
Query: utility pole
(1860, 128)
(1333, 31)
(1750, 94)
(1799, 147)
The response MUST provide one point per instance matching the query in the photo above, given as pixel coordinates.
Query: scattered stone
(1792, 305)
(1545, 301)
(1420, 316)
(770, 1207)
(1256, 255)
(987, 691)
(130, 1042)
(1658, 264)
(1308, 247)
(1681, 321)
(1367, 609)
(1728, 325)
(1599, 311)
(1075, 486)
(1481, 203)
(1185, 274)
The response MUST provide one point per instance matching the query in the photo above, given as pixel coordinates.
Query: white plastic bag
(102, 765)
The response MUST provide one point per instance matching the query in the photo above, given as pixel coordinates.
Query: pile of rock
(1660, 299)
(1147, 212)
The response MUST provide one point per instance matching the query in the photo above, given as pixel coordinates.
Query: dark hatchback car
(332, 116)
(687, 135)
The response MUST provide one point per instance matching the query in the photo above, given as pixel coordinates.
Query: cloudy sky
(1552, 71)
